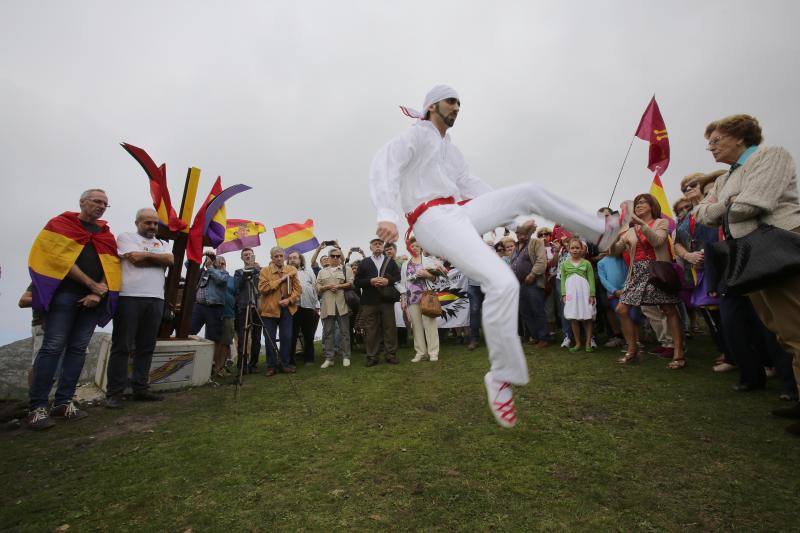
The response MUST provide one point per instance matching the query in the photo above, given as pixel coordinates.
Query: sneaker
(418, 358)
(566, 343)
(593, 342)
(39, 419)
(501, 401)
(345, 361)
(68, 411)
(327, 364)
(433, 358)
(114, 402)
(472, 345)
(147, 396)
(724, 367)
(770, 371)
(614, 342)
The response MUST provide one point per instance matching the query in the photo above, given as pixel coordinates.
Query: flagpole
(620, 170)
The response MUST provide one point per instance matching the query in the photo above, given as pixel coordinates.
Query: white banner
(452, 292)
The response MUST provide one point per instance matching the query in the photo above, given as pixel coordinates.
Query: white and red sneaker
(501, 401)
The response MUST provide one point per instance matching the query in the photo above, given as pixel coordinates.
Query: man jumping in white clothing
(422, 175)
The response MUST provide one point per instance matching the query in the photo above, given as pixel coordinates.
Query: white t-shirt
(142, 281)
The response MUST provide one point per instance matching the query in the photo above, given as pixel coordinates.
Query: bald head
(147, 222)
(524, 231)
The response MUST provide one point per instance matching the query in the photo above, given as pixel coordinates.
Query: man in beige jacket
(331, 284)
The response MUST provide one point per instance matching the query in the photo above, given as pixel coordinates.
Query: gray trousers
(329, 324)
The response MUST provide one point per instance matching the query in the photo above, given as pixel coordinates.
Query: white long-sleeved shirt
(417, 166)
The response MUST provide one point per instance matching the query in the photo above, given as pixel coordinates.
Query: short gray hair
(276, 249)
(85, 194)
(144, 210)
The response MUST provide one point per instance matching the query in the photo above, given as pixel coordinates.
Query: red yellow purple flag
(194, 244)
(241, 234)
(652, 129)
(296, 237)
(657, 191)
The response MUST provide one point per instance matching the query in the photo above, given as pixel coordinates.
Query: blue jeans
(283, 327)
(531, 307)
(68, 328)
(476, 297)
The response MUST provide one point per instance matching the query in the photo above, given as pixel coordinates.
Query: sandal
(589, 349)
(629, 358)
(574, 349)
(677, 364)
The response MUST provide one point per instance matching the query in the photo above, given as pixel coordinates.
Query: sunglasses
(688, 186)
(336, 256)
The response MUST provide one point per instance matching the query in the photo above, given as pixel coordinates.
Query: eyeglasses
(688, 186)
(545, 233)
(715, 140)
(453, 101)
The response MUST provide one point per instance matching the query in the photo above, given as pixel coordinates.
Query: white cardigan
(427, 262)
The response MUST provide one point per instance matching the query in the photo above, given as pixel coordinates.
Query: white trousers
(454, 232)
(426, 332)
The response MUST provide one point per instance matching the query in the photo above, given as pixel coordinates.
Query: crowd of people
(569, 291)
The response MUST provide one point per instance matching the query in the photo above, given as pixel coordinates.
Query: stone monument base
(177, 364)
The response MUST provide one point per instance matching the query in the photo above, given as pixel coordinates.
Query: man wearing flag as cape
(422, 175)
(76, 277)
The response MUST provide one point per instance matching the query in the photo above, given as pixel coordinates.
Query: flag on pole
(296, 237)
(158, 188)
(653, 130)
(241, 234)
(657, 191)
(194, 245)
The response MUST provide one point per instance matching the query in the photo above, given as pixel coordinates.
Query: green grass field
(413, 447)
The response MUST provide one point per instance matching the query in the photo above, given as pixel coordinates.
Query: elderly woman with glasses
(759, 187)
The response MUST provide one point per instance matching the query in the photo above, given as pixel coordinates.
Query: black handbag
(762, 258)
(662, 274)
(388, 294)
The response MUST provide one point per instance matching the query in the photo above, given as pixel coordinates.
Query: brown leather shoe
(371, 362)
(392, 360)
(472, 345)
(541, 344)
(289, 370)
(270, 372)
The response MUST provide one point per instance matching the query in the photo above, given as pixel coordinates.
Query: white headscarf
(437, 94)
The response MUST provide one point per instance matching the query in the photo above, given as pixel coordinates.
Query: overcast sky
(294, 99)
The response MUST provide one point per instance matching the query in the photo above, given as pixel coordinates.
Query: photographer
(209, 303)
(242, 280)
(324, 259)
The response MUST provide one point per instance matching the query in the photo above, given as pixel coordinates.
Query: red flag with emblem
(652, 129)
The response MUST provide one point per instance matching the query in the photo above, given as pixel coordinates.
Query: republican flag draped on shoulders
(241, 234)
(296, 237)
(56, 249)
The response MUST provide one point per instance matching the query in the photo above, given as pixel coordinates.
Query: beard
(447, 119)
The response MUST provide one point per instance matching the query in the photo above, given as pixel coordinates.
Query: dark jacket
(367, 271)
